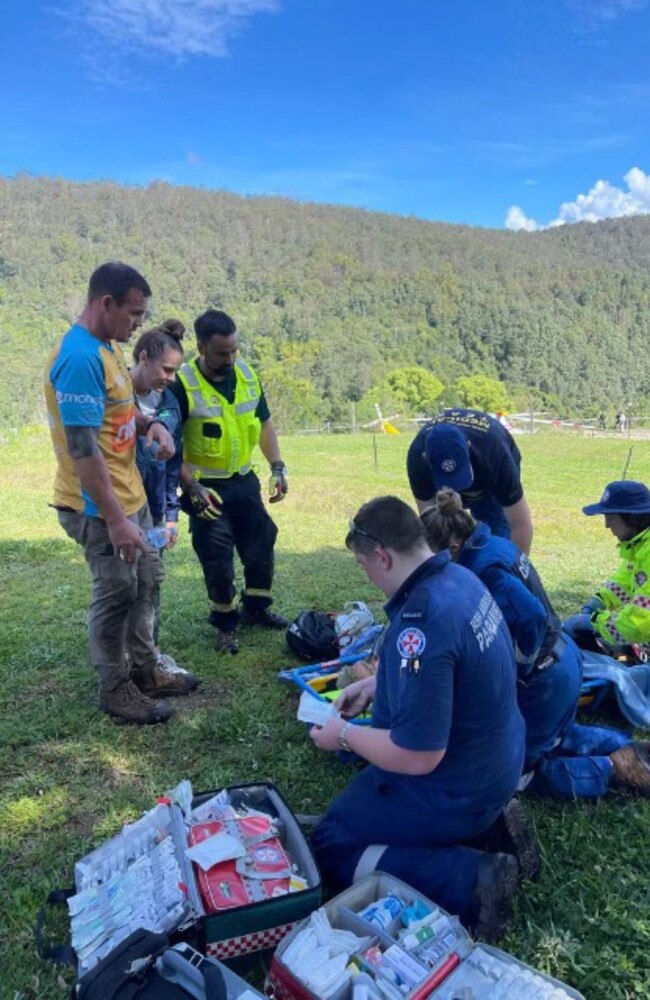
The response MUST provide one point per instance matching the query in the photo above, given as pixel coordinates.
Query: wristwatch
(343, 737)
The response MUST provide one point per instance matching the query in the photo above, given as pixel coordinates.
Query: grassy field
(71, 777)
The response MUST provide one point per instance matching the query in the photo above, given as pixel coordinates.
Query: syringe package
(231, 868)
(382, 940)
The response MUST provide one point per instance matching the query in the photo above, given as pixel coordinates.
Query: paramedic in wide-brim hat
(474, 454)
(619, 612)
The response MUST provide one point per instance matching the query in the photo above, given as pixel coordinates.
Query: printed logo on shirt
(449, 465)
(79, 398)
(411, 643)
(524, 566)
(123, 431)
(476, 421)
(641, 578)
(485, 621)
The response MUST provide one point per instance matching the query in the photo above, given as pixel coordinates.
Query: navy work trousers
(568, 760)
(420, 833)
(246, 527)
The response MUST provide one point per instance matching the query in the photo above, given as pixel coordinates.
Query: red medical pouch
(249, 879)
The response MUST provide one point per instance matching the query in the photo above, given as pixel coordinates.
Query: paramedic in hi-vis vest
(225, 415)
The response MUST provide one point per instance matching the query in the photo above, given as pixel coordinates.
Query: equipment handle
(215, 986)
(60, 954)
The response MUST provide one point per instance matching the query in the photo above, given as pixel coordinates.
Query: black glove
(278, 484)
(201, 501)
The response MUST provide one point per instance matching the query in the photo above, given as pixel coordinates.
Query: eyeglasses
(354, 529)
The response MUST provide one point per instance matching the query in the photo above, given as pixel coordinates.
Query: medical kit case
(142, 877)
(433, 957)
(261, 924)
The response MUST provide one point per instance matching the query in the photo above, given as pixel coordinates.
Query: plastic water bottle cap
(156, 538)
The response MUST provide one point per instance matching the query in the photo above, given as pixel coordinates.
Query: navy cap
(447, 453)
(622, 497)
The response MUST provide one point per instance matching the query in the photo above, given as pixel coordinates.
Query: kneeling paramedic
(563, 759)
(446, 743)
(225, 415)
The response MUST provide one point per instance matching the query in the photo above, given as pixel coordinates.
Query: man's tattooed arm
(82, 441)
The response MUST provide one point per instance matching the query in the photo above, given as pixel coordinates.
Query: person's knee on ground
(477, 887)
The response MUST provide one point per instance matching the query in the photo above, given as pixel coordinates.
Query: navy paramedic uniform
(160, 478)
(446, 680)
(496, 464)
(569, 760)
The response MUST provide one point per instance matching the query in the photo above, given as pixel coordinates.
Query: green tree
(292, 398)
(482, 392)
(416, 388)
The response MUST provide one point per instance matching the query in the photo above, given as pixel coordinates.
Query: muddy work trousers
(121, 615)
(246, 527)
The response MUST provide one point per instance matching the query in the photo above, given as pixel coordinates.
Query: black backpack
(129, 973)
(313, 638)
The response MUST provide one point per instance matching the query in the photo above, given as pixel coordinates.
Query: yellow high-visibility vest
(218, 436)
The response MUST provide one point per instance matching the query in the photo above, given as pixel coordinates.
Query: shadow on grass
(72, 777)
(569, 596)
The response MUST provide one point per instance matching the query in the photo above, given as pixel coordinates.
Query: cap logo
(605, 497)
(449, 465)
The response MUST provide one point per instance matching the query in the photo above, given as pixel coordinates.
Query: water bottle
(156, 538)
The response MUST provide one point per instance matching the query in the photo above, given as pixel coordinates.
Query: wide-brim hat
(622, 497)
(447, 454)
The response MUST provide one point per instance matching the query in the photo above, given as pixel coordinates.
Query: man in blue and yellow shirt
(225, 415)
(98, 492)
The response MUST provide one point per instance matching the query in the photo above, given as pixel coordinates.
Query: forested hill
(330, 301)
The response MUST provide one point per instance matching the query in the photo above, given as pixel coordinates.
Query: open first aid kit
(382, 940)
(231, 869)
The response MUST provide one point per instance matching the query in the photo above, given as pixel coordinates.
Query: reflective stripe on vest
(197, 404)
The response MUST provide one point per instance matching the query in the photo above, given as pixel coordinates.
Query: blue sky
(470, 111)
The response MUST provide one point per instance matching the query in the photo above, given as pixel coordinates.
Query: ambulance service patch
(411, 643)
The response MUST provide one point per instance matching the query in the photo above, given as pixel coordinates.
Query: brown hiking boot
(632, 767)
(165, 680)
(127, 702)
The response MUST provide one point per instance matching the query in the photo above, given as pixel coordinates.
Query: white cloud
(517, 219)
(592, 13)
(193, 159)
(603, 201)
(180, 28)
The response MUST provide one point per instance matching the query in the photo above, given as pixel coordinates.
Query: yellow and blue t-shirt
(87, 384)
